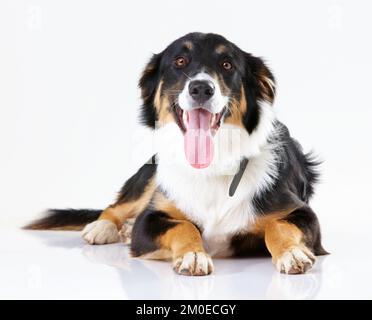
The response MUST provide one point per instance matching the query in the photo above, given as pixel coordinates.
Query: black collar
(238, 176)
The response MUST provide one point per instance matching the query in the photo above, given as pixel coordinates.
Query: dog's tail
(64, 219)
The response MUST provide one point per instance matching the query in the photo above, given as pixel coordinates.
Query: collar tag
(238, 176)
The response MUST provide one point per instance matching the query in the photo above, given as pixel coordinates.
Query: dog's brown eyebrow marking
(221, 48)
(188, 45)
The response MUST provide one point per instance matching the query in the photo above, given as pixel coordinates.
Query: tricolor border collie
(227, 178)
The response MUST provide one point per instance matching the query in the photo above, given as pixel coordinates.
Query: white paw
(101, 232)
(193, 264)
(296, 260)
(125, 233)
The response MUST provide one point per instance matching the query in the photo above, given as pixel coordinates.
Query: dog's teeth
(184, 119)
(213, 119)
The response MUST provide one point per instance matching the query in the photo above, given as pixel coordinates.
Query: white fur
(252, 144)
(125, 232)
(101, 232)
(295, 260)
(202, 194)
(193, 263)
(214, 105)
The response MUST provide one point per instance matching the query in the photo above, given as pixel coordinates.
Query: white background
(69, 100)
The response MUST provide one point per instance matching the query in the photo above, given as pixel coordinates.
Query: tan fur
(224, 88)
(182, 238)
(162, 106)
(237, 109)
(188, 45)
(161, 254)
(261, 222)
(120, 212)
(161, 203)
(282, 236)
(267, 87)
(221, 48)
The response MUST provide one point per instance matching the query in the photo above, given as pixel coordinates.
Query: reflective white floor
(59, 265)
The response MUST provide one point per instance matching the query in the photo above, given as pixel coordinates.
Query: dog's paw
(125, 232)
(193, 264)
(296, 260)
(101, 232)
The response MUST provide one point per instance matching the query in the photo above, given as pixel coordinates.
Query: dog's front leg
(291, 249)
(158, 234)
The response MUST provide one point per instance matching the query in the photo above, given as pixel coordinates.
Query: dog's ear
(148, 84)
(263, 78)
(259, 85)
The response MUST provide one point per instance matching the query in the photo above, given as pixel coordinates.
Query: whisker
(186, 75)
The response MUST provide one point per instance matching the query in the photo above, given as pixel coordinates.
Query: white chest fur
(203, 194)
(204, 199)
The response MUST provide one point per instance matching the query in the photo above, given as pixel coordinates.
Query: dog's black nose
(201, 90)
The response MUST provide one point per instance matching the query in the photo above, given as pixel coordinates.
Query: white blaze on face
(215, 104)
(198, 122)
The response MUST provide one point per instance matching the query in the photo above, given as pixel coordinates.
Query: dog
(198, 198)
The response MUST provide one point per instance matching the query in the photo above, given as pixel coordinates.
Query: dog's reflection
(297, 287)
(148, 279)
(145, 279)
(249, 278)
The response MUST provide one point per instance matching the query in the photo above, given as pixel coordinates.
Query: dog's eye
(180, 62)
(226, 65)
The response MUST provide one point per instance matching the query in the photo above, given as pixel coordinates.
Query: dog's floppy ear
(263, 77)
(259, 85)
(148, 84)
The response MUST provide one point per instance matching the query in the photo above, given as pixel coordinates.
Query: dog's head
(202, 82)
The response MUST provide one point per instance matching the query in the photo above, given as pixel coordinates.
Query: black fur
(252, 115)
(293, 188)
(148, 227)
(135, 186)
(296, 176)
(248, 245)
(254, 69)
(248, 72)
(148, 83)
(306, 220)
(60, 218)
(297, 172)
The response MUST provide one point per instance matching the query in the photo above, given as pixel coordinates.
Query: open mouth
(183, 118)
(198, 126)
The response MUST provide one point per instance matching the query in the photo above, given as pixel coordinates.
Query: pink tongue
(199, 148)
